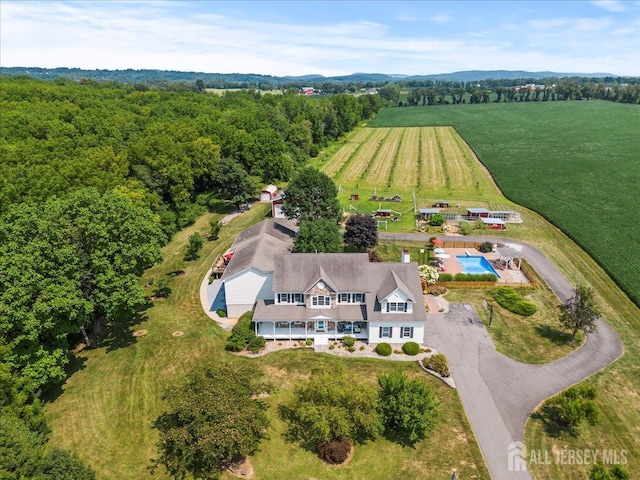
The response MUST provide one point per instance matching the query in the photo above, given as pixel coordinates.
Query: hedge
(514, 302)
(241, 334)
(256, 344)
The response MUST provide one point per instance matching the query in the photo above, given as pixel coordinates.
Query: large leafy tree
(330, 405)
(68, 264)
(361, 232)
(322, 236)
(213, 420)
(407, 405)
(580, 312)
(231, 182)
(311, 196)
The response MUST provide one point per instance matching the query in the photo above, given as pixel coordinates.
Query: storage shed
(425, 213)
(474, 213)
(493, 223)
(268, 193)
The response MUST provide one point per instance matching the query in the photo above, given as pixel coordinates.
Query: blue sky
(329, 38)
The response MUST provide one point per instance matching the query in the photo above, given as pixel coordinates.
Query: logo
(515, 458)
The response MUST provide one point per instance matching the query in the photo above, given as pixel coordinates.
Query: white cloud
(168, 35)
(610, 5)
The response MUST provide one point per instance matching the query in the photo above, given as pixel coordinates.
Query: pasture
(575, 163)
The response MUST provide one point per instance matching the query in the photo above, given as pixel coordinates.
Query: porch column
(255, 327)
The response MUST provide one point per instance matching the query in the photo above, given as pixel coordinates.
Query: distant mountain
(246, 80)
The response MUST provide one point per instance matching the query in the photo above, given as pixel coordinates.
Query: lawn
(106, 408)
(576, 163)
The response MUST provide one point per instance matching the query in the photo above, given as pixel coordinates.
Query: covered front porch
(301, 329)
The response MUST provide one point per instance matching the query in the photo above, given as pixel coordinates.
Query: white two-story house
(319, 295)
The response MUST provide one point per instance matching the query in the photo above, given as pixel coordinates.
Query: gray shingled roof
(258, 245)
(348, 272)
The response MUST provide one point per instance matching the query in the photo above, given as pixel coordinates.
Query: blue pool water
(475, 264)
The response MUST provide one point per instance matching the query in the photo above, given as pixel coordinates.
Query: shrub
(256, 344)
(334, 451)
(438, 363)
(445, 277)
(214, 229)
(411, 348)
(475, 277)
(351, 349)
(374, 255)
(221, 313)
(486, 247)
(163, 290)
(383, 349)
(513, 301)
(361, 348)
(332, 347)
(308, 342)
(241, 334)
(437, 290)
(349, 341)
(465, 227)
(437, 219)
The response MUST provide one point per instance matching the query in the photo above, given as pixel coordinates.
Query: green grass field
(576, 163)
(105, 410)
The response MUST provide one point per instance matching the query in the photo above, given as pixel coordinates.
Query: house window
(358, 298)
(396, 307)
(344, 298)
(406, 332)
(321, 301)
(351, 298)
(385, 332)
(290, 298)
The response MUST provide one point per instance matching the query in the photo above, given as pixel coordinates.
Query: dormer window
(321, 301)
(395, 307)
(351, 298)
(290, 298)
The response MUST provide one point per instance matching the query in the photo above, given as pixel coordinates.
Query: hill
(246, 80)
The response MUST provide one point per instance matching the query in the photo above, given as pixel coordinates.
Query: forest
(95, 177)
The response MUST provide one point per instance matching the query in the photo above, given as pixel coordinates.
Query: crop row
(359, 163)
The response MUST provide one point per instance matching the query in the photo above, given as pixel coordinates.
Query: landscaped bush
(163, 290)
(221, 313)
(486, 247)
(513, 301)
(351, 349)
(349, 341)
(332, 347)
(437, 219)
(334, 451)
(383, 349)
(241, 334)
(411, 348)
(465, 227)
(256, 344)
(445, 277)
(308, 342)
(437, 363)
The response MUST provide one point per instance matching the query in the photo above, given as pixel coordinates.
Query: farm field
(576, 163)
(431, 162)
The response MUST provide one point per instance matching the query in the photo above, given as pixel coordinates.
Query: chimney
(405, 257)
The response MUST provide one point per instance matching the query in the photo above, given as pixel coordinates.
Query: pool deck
(452, 266)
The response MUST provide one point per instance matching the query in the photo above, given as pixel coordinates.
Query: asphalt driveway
(499, 393)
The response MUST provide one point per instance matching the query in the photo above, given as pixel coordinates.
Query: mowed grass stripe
(340, 159)
(458, 171)
(432, 169)
(360, 162)
(380, 169)
(407, 168)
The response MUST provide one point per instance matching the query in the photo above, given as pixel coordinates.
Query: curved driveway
(499, 393)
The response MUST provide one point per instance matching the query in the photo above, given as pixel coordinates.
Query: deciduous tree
(213, 420)
(580, 312)
(407, 405)
(361, 232)
(321, 236)
(311, 196)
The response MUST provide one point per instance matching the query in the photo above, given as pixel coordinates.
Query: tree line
(170, 148)
(94, 178)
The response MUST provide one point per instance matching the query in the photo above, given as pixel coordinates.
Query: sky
(328, 38)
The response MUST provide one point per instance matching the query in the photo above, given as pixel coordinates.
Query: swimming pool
(475, 264)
